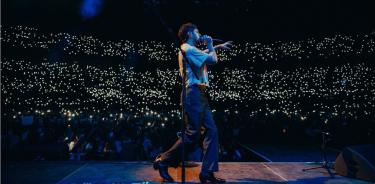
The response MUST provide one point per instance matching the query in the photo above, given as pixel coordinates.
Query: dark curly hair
(184, 29)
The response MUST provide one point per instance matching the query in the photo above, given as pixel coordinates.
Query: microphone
(213, 39)
(217, 40)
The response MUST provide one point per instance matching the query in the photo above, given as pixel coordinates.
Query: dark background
(258, 20)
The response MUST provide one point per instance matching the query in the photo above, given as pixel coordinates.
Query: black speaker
(357, 162)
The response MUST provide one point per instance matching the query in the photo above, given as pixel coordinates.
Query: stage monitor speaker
(357, 162)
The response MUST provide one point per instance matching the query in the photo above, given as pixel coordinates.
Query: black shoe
(210, 178)
(163, 170)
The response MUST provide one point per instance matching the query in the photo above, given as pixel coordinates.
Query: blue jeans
(197, 114)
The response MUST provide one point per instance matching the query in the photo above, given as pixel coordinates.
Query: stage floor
(142, 172)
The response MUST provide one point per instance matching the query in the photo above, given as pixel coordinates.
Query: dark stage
(142, 172)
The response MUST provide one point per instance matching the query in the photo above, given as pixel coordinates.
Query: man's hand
(226, 46)
(207, 40)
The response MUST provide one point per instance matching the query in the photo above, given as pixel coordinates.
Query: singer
(194, 99)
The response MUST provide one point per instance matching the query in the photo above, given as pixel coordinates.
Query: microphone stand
(171, 32)
(183, 98)
(325, 163)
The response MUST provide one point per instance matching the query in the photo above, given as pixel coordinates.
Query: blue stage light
(90, 8)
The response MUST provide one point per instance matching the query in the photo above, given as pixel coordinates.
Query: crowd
(102, 136)
(163, 52)
(113, 111)
(344, 90)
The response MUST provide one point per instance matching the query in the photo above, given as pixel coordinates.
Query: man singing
(193, 69)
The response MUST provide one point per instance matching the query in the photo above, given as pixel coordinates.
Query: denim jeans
(197, 114)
